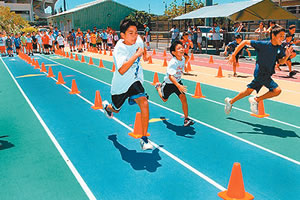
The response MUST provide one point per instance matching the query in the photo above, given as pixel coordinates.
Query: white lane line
(203, 123)
(58, 147)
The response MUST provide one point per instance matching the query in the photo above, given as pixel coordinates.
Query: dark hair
(292, 26)
(288, 35)
(185, 33)
(125, 24)
(238, 37)
(70, 32)
(276, 29)
(173, 46)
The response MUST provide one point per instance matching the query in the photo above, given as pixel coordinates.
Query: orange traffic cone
(110, 53)
(67, 56)
(63, 54)
(236, 188)
(98, 101)
(82, 59)
(154, 52)
(150, 60)
(37, 65)
(104, 52)
(189, 67)
(32, 62)
(74, 89)
(76, 57)
(198, 92)
(113, 68)
(50, 72)
(261, 111)
(100, 52)
(71, 56)
(101, 64)
(165, 53)
(220, 74)
(91, 61)
(165, 63)
(43, 69)
(137, 130)
(60, 79)
(192, 57)
(155, 79)
(211, 60)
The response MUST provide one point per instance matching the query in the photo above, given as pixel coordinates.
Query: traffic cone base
(261, 111)
(98, 101)
(198, 92)
(137, 130)
(74, 89)
(224, 196)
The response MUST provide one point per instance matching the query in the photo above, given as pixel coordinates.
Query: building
(100, 13)
(30, 9)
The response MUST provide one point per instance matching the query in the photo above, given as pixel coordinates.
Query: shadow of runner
(267, 130)
(138, 160)
(183, 131)
(5, 144)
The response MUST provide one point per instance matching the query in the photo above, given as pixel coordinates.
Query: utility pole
(65, 8)
(185, 4)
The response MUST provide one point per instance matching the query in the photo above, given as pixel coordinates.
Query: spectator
(70, 40)
(216, 37)
(261, 30)
(175, 34)
(199, 39)
(147, 36)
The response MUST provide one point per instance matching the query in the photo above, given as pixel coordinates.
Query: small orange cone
(165, 63)
(113, 68)
(37, 65)
(67, 56)
(104, 52)
(137, 130)
(50, 72)
(150, 60)
(236, 190)
(189, 67)
(91, 61)
(63, 54)
(76, 57)
(211, 60)
(100, 52)
(32, 62)
(82, 59)
(154, 52)
(110, 53)
(198, 92)
(43, 69)
(60, 79)
(220, 74)
(98, 101)
(101, 64)
(74, 89)
(155, 79)
(165, 53)
(71, 56)
(192, 57)
(261, 111)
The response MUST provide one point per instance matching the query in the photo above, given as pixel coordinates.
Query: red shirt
(186, 45)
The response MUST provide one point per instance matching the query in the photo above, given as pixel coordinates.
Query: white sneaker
(108, 113)
(228, 105)
(145, 144)
(253, 105)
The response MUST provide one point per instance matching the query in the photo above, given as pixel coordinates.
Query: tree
(140, 17)
(175, 10)
(11, 22)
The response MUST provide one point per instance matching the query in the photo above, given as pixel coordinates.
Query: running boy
(268, 52)
(232, 46)
(187, 43)
(127, 79)
(172, 81)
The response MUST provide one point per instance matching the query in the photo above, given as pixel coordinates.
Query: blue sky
(156, 6)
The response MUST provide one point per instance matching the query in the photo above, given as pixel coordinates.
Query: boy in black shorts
(128, 77)
(172, 81)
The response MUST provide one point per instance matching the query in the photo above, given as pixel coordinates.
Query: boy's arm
(288, 53)
(181, 88)
(145, 55)
(249, 54)
(237, 49)
(130, 62)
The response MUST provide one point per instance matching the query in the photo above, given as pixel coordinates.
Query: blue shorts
(258, 82)
(9, 49)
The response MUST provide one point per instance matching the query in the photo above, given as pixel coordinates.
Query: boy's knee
(277, 91)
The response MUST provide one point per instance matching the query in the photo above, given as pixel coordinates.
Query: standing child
(9, 46)
(232, 46)
(17, 43)
(70, 40)
(172, 81)
(116, 38)
(29, 45)
(2, 44)
(110, 39)
(23, 42)
(60, 41)
(99, 41)
(268, 52)
(128, 77)
(93, 40)
(34, 42)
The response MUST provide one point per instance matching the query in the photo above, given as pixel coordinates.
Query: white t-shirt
(216, 35)
(2, 41)
(122, 53)
(175, 68)
(110, 38)
(60, 40)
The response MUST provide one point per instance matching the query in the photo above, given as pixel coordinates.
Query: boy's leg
(183, 100)
(158, 88)
(144, 106)
(234, 69)
(241, 95)
(275, 92)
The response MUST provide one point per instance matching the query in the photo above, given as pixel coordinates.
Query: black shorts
(169, 88)
(104, 41)
(135, 91)
(46, 46)
(18, 47)
(61, 46)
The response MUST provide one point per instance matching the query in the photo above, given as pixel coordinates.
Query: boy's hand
(289, 51)
(232, 59)
(182, 88)
(139, 52)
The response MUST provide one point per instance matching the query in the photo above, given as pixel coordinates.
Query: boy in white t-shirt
(128, 77)
(60, 41)
(172, 81)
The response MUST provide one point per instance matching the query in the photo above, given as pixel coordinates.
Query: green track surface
(30, 165)
(275, 136)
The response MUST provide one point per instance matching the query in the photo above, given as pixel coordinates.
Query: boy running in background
(268, 52)
(186, 44)
(172, 81)
(128, 77)
(232, 46)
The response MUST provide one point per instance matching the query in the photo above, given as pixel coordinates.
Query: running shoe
(188, 122)
(145, 143)
(228, 105)
(108, 113)
(253, 105)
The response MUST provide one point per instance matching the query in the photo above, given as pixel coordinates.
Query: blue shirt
(233, 45)
(17, 42)
(267, 55)
(104, 35)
